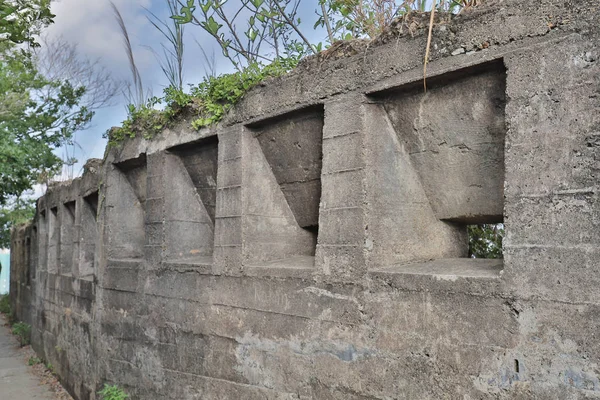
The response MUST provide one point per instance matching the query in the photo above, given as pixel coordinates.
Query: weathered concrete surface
(379, 302)
(292, 144)
(454, 136)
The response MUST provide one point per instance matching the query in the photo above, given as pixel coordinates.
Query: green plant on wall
(23, 332)
(208, 101)
(112, 392)
(144, 120)
(216, 95)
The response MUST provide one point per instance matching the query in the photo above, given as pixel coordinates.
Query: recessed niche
(42, 241)
(190, 202)
(126, 200)
(136, 173)
(200, 161)
(285, 161)
(67, 237)
(91, 201)
(435, 164)
(70, 214)
(293, 146)
(28, 261)
(53, 240)
(454, 134)
(88, 234)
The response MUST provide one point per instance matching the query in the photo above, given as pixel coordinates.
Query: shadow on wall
(4, 271)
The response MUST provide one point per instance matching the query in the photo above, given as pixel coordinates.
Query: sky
(91, 25)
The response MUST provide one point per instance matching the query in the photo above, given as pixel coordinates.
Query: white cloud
(91, 24)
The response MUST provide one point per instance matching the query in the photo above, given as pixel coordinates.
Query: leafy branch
(272, 23)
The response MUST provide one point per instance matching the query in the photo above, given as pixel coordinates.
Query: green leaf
(206, 6)
(186, 16)
(252, 34)
(212, 26)
(180, 19)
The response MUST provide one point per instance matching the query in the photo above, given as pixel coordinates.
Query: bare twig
(327, 25)
(295, 27)
(429, 35)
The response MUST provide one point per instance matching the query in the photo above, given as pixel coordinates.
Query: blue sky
(91, 25)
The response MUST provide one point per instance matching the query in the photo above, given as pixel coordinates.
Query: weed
(50, 368)
(216, 95)
(176, 98)
(209, 100)
(112, 392)
(144, 120)
(23, 332)
(5, 304)
(34, 361)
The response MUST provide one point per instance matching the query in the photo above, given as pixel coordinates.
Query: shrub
(112, 392)
(5, 304)
(50, 368)
(485, 241)
(23, 332)
(34, 361)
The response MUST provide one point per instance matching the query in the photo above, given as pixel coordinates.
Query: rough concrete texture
(454, 135)
(379, 302)
(292, 144)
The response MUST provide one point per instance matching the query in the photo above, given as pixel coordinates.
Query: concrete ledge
(449, 269)
(202, 265)
(125, 262)
(301, 267)
(457, 275)
(88, 278)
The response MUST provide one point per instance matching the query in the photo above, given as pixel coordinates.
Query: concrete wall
(313, 245)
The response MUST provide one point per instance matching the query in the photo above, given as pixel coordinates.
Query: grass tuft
(23, 333)
(112, 392)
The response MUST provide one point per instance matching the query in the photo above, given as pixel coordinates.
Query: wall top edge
(484, 35)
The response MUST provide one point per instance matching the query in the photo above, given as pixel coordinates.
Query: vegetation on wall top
(261, 39)
(207, 102)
